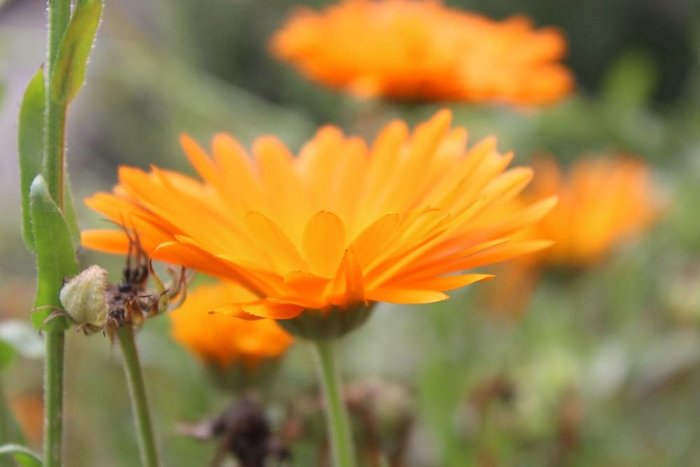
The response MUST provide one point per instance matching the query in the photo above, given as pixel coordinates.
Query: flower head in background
(340, 226)
(423, 50)
(221, 340)
(602, 201)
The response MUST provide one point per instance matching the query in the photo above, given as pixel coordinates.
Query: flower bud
(83, 298)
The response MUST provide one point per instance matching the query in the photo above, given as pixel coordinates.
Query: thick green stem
(137, 393)
(337, 420)
(55, 118)
(53, 398)
(58, 17)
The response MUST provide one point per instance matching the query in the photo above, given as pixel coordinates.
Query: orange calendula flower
(339, 226)
(601, 202)
(423, 50)
(219, 339)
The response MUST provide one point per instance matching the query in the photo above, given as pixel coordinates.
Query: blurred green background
(603, 369)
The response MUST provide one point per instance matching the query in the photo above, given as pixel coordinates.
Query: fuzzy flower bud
(83, 298)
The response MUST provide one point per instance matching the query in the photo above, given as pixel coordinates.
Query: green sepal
(24, 456)
(71, 64)
(31, 146)
(327, 325)
(55, 257)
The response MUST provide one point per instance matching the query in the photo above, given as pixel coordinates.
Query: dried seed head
(83, 297)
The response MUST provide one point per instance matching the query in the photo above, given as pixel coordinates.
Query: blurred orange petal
(221, 339)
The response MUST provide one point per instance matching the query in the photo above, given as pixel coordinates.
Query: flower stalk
(137, 394)
(53, 397)
(55, 112)
(337, 420)
(53, 165)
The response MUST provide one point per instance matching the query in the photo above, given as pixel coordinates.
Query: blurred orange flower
(601, 202)
(28, 410)
(423, 50)
(340, 226)
(221, 339)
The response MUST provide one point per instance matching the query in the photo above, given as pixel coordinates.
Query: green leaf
(69, 73)
(24, 456)
(55, 256)
(69, 212)
(31, 145)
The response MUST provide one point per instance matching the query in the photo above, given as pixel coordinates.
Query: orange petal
(324, 243)
(374, 238)
(263, 309)
(109, 241)
(269, 236)
(348, 285)
(406, 296)
(198, 158)
(448, 282)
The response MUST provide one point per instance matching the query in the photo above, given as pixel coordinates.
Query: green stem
(55, 138)
(58, 17)
(53, 397)
(137, 393)
(336, 415)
